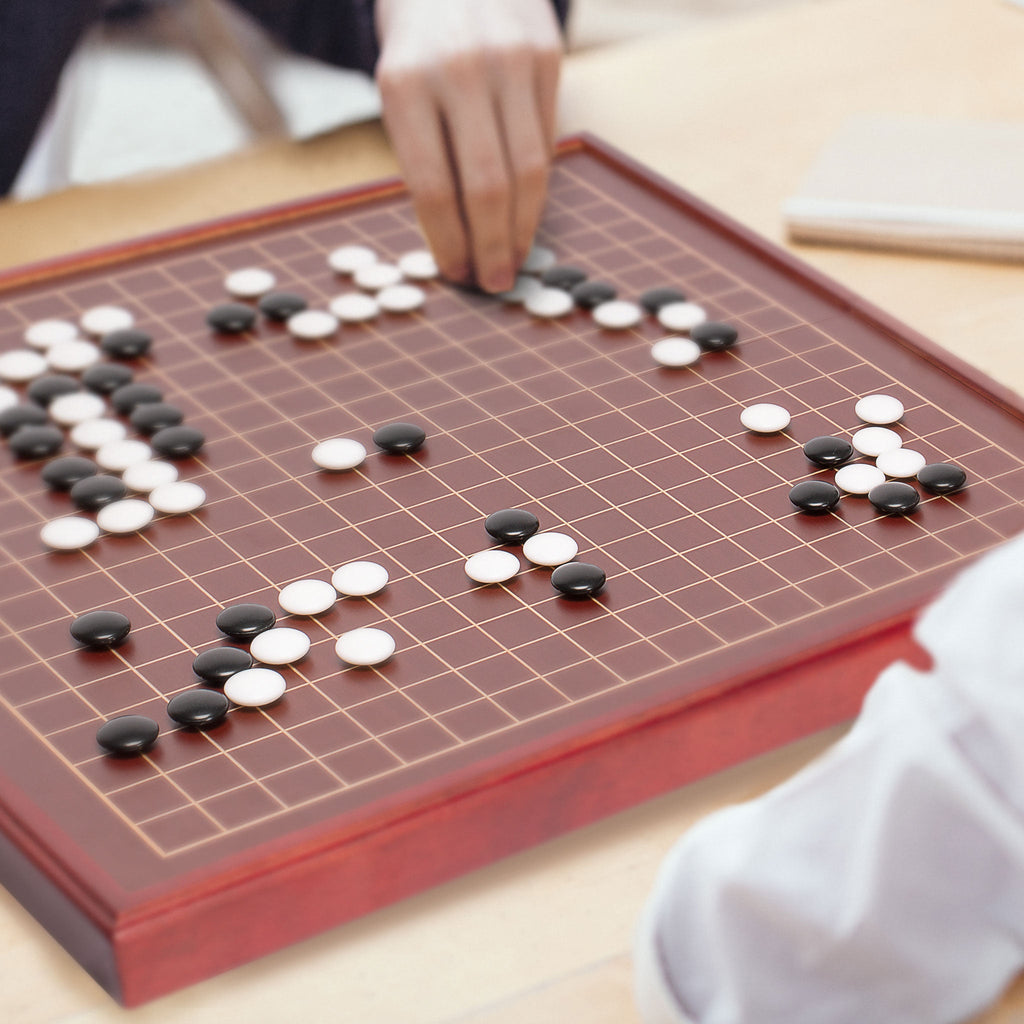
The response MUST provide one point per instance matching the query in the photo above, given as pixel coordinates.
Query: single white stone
(312, 324)
(676, 351)
(8, 397)
(901, 463)
(879, 409)
(492, 566)
(177, 497)
(69, 533)
(359, 579)
(77, 407)
(681, 316)
(347, 259)
(338, 454)
(102, 320)
(401, 298)
(255, 687)
(550, 549)
(20, 365)
(249, 282)
(149, 474)
(549, 303)
(354, 307)
(375, 276)
(279, 646)
(44, 333)
(72, 356)
(765, 418)
(617, 314)
(858, 477)
(419, 265)
(872, 441)
(538, 259)
(117, 456)
(307, 597)
(367, 646)
(525, 286)
(129, 515)
(93, 434)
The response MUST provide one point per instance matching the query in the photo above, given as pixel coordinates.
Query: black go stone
(894, 498)
(45, 389)
(654, 298)
(106, 378)
(102, 629)
(714, 336)
(24, 414)
(198, 709)
(512, 525)
(150, 417)
(178, 442)
(244, 621)
(828, 452)
(588, 294)
(219, 664)
(127, 343)
(578, 579)
(128, 396)
(942, 477)
(62, 474)
(128, 735)
(400, 438)
(36, 442)
(815, 496)
(231, 318)
(564, 277)
(94, 492)
(281, 305)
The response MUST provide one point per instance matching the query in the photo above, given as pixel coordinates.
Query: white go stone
(338, 454)
(69, 533)
(249, 282)
(549, 303)
(72, 356)
(418, 265)
(177, 498)
(375, 276)
(117, 456)
(44, 333)
(401, 298)
(77, 407)
(354, 307)
(8, 397)
(94, 434)
(255, 687)
(676, 351)
(129, 515)
(493, 566)
(102, 320)
(858, 478)
(149, 474)
(873, 441)
(617, 314)
(347, 259)
(307, 597)
(364, 647)
(359, 579)
(20, 365)
(525, 286)
(765, 418)
(281, 645)
(879, 409)
(550, 549)
(681, 316)
(312, 324)
(901, 463)
(538, 259)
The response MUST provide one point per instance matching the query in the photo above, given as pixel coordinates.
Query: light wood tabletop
(735, 112)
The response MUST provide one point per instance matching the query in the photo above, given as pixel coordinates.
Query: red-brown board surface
(730, 622)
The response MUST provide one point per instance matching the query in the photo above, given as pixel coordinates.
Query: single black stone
(512, 525)
(62, 474)
(24, 414)
(219, 664)
(45, 389)
(244, 621)
(714, 336)
(128, 735)
(127, 397)
(942, 477)
(231, 317)
(894, 498)
(127, 343)
(815, 496)
(94, 492)
(103, 628)
(150, 417)
(828, 452)
(105, 378)
(564, 277)
(654, 298)
(198, 709)
(178, 442)
(400, 438)
(281, 305)
(36, 442)
(588, 294)
(578, 579)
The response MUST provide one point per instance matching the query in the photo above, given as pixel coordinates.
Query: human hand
(468, 90)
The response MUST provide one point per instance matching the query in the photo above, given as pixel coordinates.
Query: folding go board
(730, 622)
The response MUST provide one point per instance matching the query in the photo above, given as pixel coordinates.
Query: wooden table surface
(735, 112)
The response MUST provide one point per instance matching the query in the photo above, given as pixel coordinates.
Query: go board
(730, 622)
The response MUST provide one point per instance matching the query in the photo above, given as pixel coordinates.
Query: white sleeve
(884, 882)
